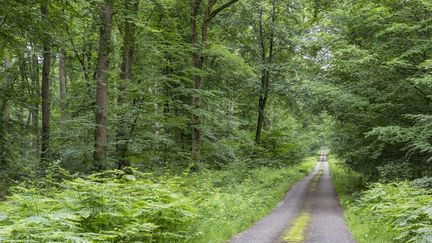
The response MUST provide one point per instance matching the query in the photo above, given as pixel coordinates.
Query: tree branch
(220, 9)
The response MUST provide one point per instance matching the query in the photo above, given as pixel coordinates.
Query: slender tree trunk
(35, 103)
(4, 148)
(63, 83)
(196, 63)
(45, 90)
(5, 111)
(266, 61)
(23, 70)
(101, 130)
(125, 76)
(261, 106)
(4, 118)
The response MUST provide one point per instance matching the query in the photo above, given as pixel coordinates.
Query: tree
(375, 82)
(62, 82)
(266, 42)
(128, 49)
(35, 98)
(199, 36)
(101, 130)
(46, 67)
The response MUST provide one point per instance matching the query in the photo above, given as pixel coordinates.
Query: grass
(363, 224)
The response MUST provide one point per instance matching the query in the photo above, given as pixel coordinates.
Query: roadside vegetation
(128, 206)
(399, 211)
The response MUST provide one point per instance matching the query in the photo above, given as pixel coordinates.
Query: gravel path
(327, 224)
(270, 228)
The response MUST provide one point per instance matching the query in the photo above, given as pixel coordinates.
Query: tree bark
(128, 49)
(196, 63)
(35, 103)
(261, 106)
(5, 109)
(4, 117)
(101, 130)
(45, 139)
(63, 83)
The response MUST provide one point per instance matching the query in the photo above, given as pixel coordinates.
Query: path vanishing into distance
(310, 212)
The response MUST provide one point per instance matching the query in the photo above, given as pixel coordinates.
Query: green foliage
(405, 208)
(114, 206)
(129, 206)
(395, 171)
(348, 184)
(346, 181)
(231, 200)
(425, 182)
(279, 147)
(392, 212)
(374, 80)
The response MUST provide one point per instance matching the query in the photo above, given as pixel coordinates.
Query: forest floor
(310, 212)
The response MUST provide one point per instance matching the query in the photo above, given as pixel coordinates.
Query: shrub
(405, 208)
(425, 182)
(395, 171)
(110, 206)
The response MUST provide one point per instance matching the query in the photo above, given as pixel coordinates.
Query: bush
(109, 206)
(400, 205)
(280, 148)
(425, 182)
(395, 171)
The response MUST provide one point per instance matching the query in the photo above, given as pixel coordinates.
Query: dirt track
(318, 199)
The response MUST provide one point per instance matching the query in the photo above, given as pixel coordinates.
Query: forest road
(313, 196)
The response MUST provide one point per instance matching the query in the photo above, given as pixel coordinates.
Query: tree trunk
(266, 62)
(35, 103)
(63, 83)
(261, 106)
(196, 63)
(128, 48)
(4, 118)
(5, 109)
(45, 90)
(101, 130)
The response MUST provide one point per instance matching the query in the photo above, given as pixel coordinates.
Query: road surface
(315, 197)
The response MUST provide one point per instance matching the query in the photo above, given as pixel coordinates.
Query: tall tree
(128, 49)
(35, 99)
(4, 113)
(46, 113)
(266, 42)
(63, 82)
(199, 36)
(101, 129)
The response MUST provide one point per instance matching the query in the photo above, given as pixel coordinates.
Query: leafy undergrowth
(109, 206)
(119, 206)
(390, 212)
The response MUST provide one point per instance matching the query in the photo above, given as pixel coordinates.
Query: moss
(296, 232)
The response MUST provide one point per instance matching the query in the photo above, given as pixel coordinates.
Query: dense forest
(187, 121)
